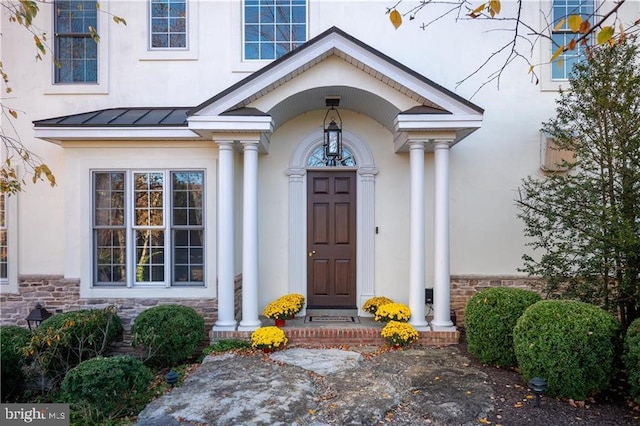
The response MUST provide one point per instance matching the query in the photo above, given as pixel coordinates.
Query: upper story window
(561, 67)
(148, 228)
(76, 52)
(273, 27)
(4, 276)
(168, 24)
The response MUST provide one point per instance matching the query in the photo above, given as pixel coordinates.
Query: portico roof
(331, 64)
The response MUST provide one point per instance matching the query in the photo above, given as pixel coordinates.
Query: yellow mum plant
(393, 312)
(374, 303)
(295, 299)
(399, 333)
(280, 309)
(268, 338)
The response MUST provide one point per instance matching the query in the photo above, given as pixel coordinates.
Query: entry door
(331, 239)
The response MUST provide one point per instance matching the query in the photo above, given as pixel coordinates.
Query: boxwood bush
(13, 340)
(632, 358)
(490, 316)
(169, 334)
(571, 345)
(115, 386)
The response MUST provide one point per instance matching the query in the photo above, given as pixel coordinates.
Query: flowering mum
(268, 338)
(393, 312)
(280, 309)
(399, 333)
(374, 303)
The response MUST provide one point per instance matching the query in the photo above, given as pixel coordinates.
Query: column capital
(367, 171)
(296, 172)
(442, 143)
(224, 144)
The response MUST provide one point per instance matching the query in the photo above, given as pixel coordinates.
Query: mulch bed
(515, 405)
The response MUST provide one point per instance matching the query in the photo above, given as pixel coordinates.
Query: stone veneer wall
(55, 292)
(465, 286)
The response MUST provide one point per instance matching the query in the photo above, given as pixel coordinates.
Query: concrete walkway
(298, 386)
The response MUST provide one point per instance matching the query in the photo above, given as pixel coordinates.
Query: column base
(443, 327)
(249, 325)
(420, 325)
(224, 326)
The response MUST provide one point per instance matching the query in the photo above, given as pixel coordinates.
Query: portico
(421, 117)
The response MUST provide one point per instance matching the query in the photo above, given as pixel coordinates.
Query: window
(562, 66)
(148, 228)
(4, 275)
(168, 24)
(273, 27)
(76, 52)
(319, 159)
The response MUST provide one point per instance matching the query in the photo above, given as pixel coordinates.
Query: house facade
(191, 161)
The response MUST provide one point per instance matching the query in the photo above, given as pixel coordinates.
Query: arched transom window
(319, 159)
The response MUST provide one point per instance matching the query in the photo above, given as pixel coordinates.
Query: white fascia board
(58, 134)
(231, 123)
(416, 122)
(403, 78)
(265, 80)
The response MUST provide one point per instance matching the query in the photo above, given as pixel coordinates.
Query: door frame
(365, 214)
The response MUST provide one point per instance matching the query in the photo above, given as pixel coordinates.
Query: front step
(341, 336)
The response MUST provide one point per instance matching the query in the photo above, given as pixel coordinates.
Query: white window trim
(190, 53)
(547, 83)
(130, 229)
(102, 86)
(10, 284)
(240, 65)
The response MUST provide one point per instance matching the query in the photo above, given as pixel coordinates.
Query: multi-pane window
(318, 158)
(3, 241)
(273, 27)
(148, 228)
(168, 24)
(76, 52)
(561, 67)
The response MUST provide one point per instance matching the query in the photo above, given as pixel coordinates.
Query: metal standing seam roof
(122, 117)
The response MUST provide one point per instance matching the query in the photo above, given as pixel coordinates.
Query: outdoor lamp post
(332, 133)
(37, 315)
(538, 386)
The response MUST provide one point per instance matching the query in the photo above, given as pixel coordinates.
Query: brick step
(336, 336)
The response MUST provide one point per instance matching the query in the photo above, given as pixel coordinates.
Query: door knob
(311, 253)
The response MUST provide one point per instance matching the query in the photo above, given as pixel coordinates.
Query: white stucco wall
(486, 168)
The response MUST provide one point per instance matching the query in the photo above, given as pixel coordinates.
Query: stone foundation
(465, 286)
(57, 293)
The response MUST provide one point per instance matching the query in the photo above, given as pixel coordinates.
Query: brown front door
(331, 239)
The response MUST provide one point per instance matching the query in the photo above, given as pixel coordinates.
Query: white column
(250, 319)
(441, 287)
(226, 316)
(417, 244)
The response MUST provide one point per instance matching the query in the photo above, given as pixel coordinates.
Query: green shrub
(226, 345)
(13, 340)
(114, 386)
(571, 345)
(64, 340)
(490, 316)
(632, 358)
(169, 334)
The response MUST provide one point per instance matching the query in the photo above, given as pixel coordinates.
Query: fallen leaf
(518, 404)
(468, 392)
